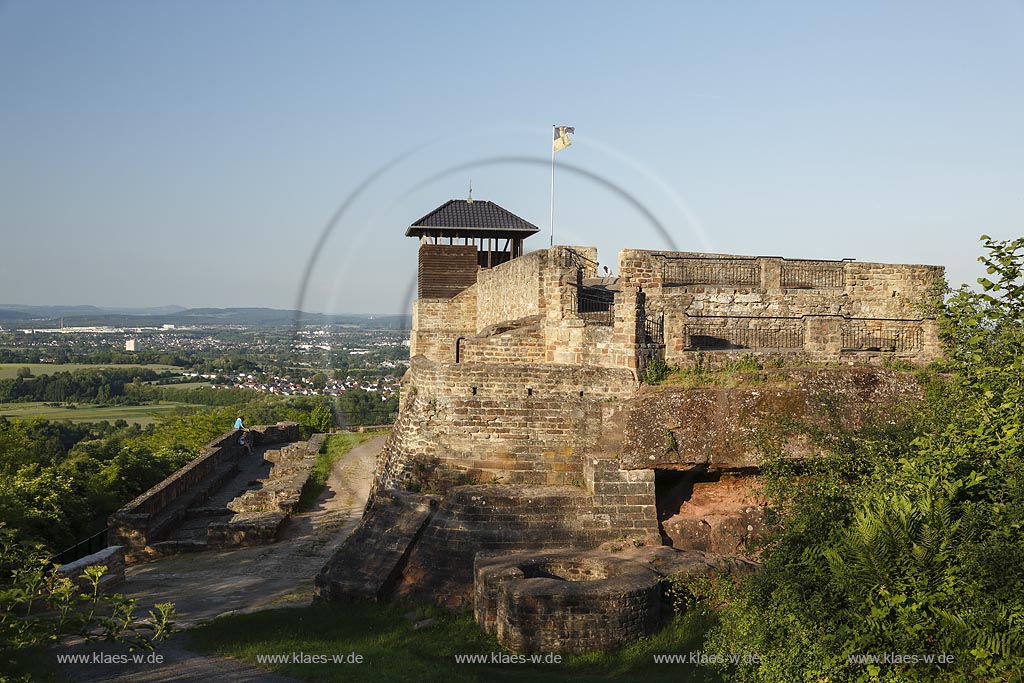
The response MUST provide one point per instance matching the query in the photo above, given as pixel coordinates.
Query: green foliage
(905, 539)
(38, 606)
(656, 371)
(103, 386)
(671, 445)
(59, 482)
(322, 419)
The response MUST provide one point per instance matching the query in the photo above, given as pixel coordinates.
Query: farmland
(84, 412)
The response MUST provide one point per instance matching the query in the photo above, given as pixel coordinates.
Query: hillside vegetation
(904, 543)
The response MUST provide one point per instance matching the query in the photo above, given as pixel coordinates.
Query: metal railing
(595, 306)
(893, 339)
(813, 277)
(653, 328)
(721, 337)
(570, 258)
(708, 271)
(93, 544)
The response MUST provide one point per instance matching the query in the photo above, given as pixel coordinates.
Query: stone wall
(565, 601)
(111, 557)
(521, 341)
(819, 310)
(515, 423)
(438, 324)
(512, 290)
(501, 518)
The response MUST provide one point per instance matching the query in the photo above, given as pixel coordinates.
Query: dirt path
(209, 584)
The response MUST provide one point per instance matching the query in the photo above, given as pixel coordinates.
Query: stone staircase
(243, 501)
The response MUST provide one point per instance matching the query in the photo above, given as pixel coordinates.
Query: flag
(562, 137)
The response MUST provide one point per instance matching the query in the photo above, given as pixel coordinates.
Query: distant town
(362, 354)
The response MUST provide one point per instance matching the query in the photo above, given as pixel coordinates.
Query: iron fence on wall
(709, 271)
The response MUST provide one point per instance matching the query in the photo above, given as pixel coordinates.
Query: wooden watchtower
(462, 236)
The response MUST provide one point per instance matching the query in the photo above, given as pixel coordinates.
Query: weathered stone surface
(565, 601)
(717, 428)
(518, 424)
(245, 529)
(371, 560)
(499, 517)
(686, 564)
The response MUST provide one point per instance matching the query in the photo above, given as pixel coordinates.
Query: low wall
(145, 519)
(112, 557)
(523, 343)
(565, 601)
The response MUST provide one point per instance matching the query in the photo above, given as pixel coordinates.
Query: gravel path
(209, 584)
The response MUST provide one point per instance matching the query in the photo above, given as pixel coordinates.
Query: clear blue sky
(193, 152)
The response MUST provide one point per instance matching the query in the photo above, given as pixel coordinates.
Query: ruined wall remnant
(565, 601)
(818, 310)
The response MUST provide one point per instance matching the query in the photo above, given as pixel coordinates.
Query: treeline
(84, 386)
(353, 408)
(203, 396)
(204, 362)
(103, 357)
(358, 407)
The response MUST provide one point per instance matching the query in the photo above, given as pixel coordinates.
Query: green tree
(322, 418)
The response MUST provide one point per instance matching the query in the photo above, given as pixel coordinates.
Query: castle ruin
(524, 426)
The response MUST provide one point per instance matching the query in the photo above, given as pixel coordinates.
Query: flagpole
(551, 242)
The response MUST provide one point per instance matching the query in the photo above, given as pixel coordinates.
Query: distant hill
(48, 312)
(83, 316)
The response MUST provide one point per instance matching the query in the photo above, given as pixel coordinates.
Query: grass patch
(87, 412)
(335, 446)
(34, 664)
(746, 370)
(392, 650)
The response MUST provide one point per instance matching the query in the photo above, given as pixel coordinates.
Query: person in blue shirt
(238, 424)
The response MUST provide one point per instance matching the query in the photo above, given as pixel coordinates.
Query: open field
(84, 412)
(10, 370)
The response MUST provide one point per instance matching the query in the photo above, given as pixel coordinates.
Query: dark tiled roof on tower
(472, 216)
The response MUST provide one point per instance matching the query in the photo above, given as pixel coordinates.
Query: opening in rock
(672, 489)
